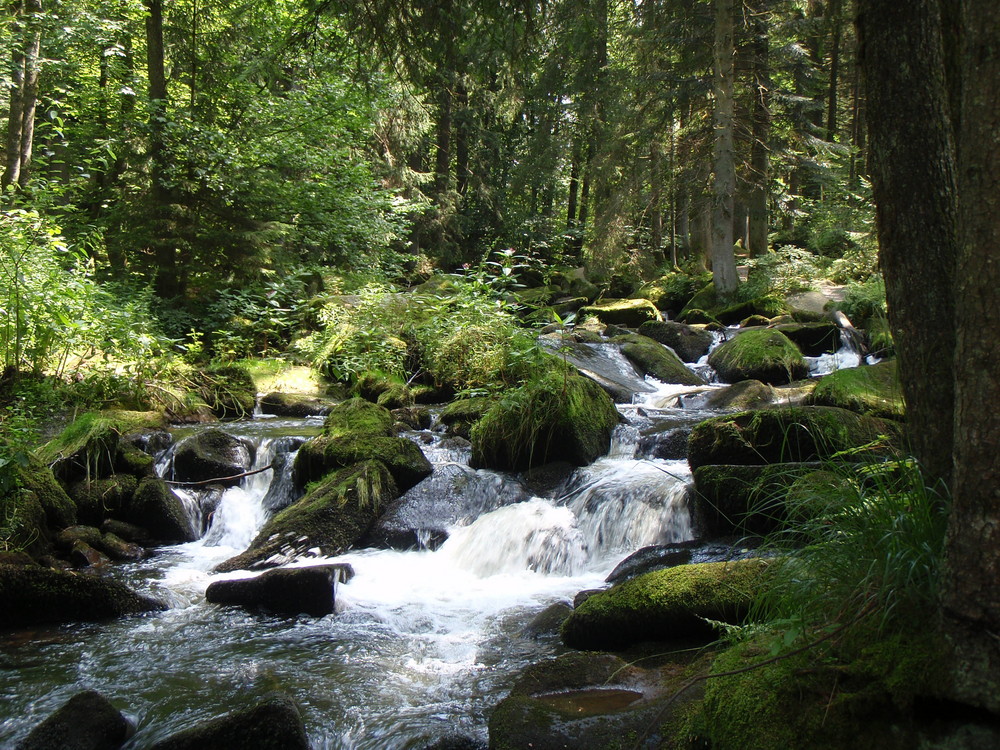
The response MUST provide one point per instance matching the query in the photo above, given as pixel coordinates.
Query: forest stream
(424, 642)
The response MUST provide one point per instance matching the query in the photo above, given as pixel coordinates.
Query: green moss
(331, 517)
(656, 360)
(813, 339)
(765, 355)
(557, 417)
(294, 405)
(357, 416)
(871, 390)
(155, 508)
(623, 312)
(665, 604)
(747, 394)
(99, 498)
(405, 461)
(832, 697)
(767, 306)
(228, 390)
(462, 414)
(91, 446)
(793, 433)
(689, 342)
(673, 291)
(22, 523)
(704, 299)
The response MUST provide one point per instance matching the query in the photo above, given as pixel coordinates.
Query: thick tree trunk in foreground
(724, 180)
(971, 589)
(912, 172)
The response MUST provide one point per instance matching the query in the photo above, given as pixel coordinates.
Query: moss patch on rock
(665, 604)
(654, 359)
(228, 390)
(460, 415)
(767, 306)
(673, 291)
(405, 461)
(557, 417)
(158, 510)
(873, 390)
(690, 343)
(357, 416)
(813, 339)
(747, 394)
(331, 517)
(294, 405)
(623, 312)
(760, 354)
(795, 433)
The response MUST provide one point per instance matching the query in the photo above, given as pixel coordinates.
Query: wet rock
(294, 405)
(767, 306)
(688, 342)
(323, 454)
(129, 532)
(601, 362)
(747, 394)
(788, 434)
(413, 417)
(548, 621)
(118, 549)
(582, 596)
(158, 510)
(654, 557)
(104, 543)
(554, 418)
(457, 742)
(228, 390)
(31, 596)
(624, 312)
(453, 495)
(38, 479)
(87, 721)
(212, 454)
(758, 354)
(23, 522)
(290, 591)
(664, 605)
(150, 442)
(671, 444)
(334, 515)
(460, 415)
(273, 724)
(10, 557)
(654, 359)
(82, 555)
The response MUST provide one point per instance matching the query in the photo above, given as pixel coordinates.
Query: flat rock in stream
(288, 591)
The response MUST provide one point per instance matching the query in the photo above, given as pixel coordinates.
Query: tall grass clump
(866, 546)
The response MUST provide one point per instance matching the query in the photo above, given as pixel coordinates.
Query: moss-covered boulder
(557, 417)
(460, 415)
(655, 360)
(310, 590)
(330, 518)
(228, 390)
(87, 721)
(623, 312)
(98, 499)
(211, 454)
(673, 291)
(356, 417)
(664, 605)
(750, 499)
(689, 343)
(22, 522)
(273, 724)
(873, 390)
(746, 394)
(33, 505)
(759, 354)
(33, 475)
(813, 339)
(158, 510)
(321, 455)
(768, 306)
(794, 433)
(106, 543)
(34, 595)
(697, 316)
(294, 405)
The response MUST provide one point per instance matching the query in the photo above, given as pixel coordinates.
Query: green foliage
(785, 271)
(864, 301)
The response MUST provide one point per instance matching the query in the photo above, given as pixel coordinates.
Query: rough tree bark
(760, 129)
(26, 34)
(913, 182)
(724, 180)
(971, 589)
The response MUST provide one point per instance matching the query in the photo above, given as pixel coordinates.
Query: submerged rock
(328, 520)
(273, 724)
(87, 721)
(555, 418)
(664, 605)
(291, 591)
(759, 354)
(35, 595)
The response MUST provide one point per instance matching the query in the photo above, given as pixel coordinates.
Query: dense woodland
(191, 186)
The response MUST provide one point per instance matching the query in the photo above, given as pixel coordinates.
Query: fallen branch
(217, 480)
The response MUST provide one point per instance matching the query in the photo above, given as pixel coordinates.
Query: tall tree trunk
(760, 132)
(167, 281)
(656, 202)
(835, 18)
(971, 589)
(724, 179)
(913, 182)
(442, 159)
(29, 102)
(574, 186)
(15, 111)
(463, 134)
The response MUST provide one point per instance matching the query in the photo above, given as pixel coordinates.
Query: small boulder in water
(87, 721)
(759, 354)
(655, 360)
(289, 591)
(623, 312)
(294, 405)
(212, 454)
(548, 621)
(650, 558)
(689, 343)
(273, 724)
(321, 455)
(158, 510)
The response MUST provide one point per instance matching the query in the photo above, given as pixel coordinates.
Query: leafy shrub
(787, 270)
